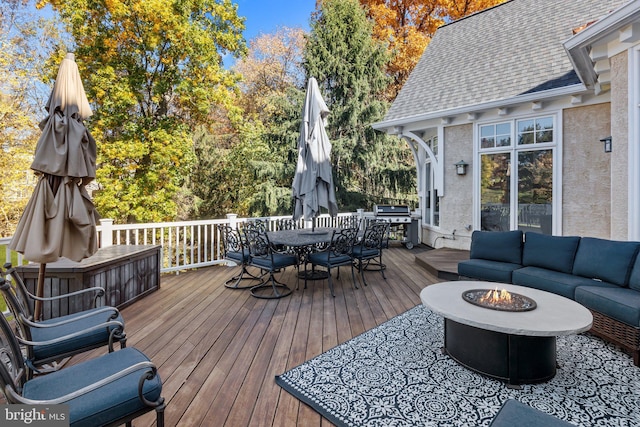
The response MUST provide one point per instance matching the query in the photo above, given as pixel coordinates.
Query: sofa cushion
(553, 281)
(634, 278)
(607, 260)
(552, 252)
(622, 304)
(492, 271)
(502, 246)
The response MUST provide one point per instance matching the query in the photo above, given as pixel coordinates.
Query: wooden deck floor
(218, 349)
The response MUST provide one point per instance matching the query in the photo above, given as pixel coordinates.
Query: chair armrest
(99, 292)
(114, 314)
(151, 372)
(116, 324)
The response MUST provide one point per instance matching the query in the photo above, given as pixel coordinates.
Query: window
(432, 201)
(516, 179)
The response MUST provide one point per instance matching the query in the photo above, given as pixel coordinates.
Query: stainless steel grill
(401, 220)
(399, 214)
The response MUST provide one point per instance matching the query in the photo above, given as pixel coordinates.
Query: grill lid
(391, 210)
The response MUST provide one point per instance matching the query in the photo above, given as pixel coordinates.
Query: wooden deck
(218, 350)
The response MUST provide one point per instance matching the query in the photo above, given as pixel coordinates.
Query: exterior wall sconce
(461, 167)
(607, 144)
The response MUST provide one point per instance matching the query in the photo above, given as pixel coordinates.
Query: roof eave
(578, 47)
(391, 126)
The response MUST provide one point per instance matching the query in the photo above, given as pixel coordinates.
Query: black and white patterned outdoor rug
(396, 375)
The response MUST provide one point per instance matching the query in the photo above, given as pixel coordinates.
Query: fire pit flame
(501, 300)
(496, 297)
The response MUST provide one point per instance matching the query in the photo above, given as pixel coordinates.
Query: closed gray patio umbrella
(60, 218)
(313, 182)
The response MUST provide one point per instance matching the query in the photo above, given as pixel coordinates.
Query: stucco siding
(620, 140)
(456, 207)
(586, 172)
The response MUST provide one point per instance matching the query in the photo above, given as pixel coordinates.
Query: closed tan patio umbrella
(60, 218)
(313, 182)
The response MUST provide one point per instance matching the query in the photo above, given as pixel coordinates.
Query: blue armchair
(53, 340)
(111, 389)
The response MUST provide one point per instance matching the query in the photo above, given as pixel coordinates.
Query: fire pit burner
(499, 300)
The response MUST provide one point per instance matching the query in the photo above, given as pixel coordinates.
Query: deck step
(442, 262)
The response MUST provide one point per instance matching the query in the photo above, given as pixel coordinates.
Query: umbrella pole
(39, 291)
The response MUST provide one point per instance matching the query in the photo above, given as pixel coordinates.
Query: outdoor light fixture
(607, 144)
(461, 167)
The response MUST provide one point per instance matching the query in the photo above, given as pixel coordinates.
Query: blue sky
(265, 16)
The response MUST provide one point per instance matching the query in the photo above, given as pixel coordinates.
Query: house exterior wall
(620, 140)
(456, 206)
(586, 172)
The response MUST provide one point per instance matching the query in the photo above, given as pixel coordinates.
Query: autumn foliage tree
(22, 99)
(153, 71)
(407, 26)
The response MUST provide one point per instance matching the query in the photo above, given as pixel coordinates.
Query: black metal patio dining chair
(367, 254)
(108, 390)
(263, 255)
(337, 253)
(49, 342)
(235, 250)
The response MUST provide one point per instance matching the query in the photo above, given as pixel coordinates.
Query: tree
(406, 26)
(246, 165)
(22, 99)
(349, 65)
(272, 65)
(153, 69)
(272, 95)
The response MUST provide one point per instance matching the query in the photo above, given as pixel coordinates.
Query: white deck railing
(185, 244)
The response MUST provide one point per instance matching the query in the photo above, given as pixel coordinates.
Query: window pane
(504, 140)
(495, 192)
(525, 126)
(487, 136)
(535, 191)
(503, 129)
(488, 142)
(486, 131)
(544, 123)
(525, 138)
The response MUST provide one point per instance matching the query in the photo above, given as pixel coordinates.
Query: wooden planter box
(127, 273)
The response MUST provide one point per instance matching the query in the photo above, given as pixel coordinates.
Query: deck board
(218, 350)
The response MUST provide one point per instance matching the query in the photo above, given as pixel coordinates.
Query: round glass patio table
(514, 346)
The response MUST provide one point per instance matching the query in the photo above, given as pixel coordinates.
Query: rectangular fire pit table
(518, 347)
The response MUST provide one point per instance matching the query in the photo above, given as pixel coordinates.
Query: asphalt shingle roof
(508, 50)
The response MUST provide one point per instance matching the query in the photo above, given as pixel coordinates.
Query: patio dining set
(261, 253)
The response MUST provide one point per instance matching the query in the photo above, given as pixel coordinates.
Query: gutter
(575, 89)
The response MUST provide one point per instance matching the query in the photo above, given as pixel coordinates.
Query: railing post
(106, 238)
(233, 220)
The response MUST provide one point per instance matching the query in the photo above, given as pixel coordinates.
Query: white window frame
(432, 189)
(633, 229)
(514, 149)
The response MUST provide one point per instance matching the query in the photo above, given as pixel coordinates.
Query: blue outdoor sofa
(602, 275)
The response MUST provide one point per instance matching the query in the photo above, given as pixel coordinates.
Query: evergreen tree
(349, 65)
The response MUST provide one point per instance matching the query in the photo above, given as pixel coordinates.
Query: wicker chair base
(621, 334)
